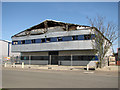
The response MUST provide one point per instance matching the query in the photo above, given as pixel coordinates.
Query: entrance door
(54, 57)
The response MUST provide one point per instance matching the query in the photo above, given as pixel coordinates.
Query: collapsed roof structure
(45, 25)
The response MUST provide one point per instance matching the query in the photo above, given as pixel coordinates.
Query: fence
(69, 60)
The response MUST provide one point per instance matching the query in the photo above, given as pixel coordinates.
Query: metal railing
(69, 60)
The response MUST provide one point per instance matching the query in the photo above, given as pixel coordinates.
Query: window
(43, 40)
(74, 37)
(53, 39)
(19, 42)
(39, 57)
(38, 41)
(68, 58)
(53, 52)
(59, 39)
(15, 42)
(77, 58)
(86, 58)
(96, 57)
(87, 37)
(23, 42)
(47, 39)
(27, 41)
(68, 38)
(24, 57)
(33, 41)
(92, 36)
(81, 37)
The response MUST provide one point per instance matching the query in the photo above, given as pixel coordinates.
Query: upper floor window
(43, 40)
(74, 37)
(27, 41)
(87, 37)
(19, 42)
(47, 39)
(33, 41)
(37, 40)
(68, 38)
(56, 39)
(15, 42)
(81, 37)
(59, 39)
(23, 42)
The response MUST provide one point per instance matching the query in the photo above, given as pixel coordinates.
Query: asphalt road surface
(58, 79)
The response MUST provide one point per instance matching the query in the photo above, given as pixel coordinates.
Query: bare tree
(105, 35)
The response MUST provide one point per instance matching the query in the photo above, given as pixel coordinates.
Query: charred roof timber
(50, 23)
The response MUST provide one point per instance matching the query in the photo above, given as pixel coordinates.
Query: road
(57, 79)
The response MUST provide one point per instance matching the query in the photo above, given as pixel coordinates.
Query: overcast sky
(18, 16)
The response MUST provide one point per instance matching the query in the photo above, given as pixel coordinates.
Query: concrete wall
(13, 53)
(54, 46)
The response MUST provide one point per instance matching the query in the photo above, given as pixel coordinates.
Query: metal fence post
(29, 60)
(50, 60)
(71, 59)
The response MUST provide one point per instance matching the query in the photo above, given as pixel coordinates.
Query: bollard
(22, 64)
(5, 64)
(87, 67)
(13, 64)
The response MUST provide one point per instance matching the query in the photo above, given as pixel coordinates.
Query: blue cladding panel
(45, 39)
(12, 43)
(81, 37)
(53, 39)
(96, 57)
(38, 41)
(69, 38)
(92, 36)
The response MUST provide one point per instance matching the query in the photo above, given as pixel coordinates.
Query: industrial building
(56, 43)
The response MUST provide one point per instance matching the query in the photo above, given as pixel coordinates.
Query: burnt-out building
(56, 43)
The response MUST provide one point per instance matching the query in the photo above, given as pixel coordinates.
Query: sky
(18, 16)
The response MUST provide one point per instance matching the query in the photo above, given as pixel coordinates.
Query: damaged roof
(50, 23)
